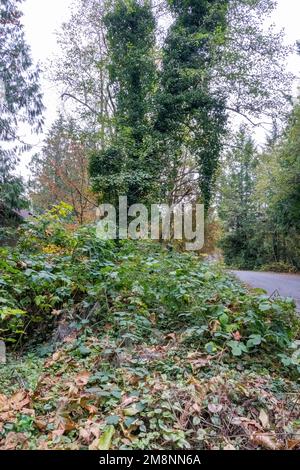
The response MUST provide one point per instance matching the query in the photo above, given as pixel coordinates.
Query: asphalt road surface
(288, 285)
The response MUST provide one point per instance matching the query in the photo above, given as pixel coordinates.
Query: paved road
(288, 285)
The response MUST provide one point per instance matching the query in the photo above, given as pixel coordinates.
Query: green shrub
(279, 267)
(140, 289)
(52, 268)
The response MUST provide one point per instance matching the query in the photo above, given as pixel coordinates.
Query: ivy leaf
(113, 420)
(254, 340)
(211, 347)
(265, 307)
(237, 348)
(84, 351)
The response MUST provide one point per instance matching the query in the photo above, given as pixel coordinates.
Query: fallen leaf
(264, 419)
(85, 436)
(82, 378)
(247, 424)
(229, 447)
(41, 424)
(104, 443)
(56, 313)
(293, 444)
(128, 400)
(215, 408)
(14, 439)
(196, 407)
(71, 337)
(214, 326)
(66, 424)
(266, 440)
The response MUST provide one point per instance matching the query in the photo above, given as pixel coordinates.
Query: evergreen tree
(237, 206)
(20, 98)
(278, 192)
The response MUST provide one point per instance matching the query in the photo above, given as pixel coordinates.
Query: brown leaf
(19, 400)
(41, 424)
(229, 447)
(92, 409)
(85, 436)
(265, 440)
(54, 358)
(56, 313)
(65, 424)
(249, 425)
(129, 400)
(4, 403)
(73, 391)
(203, 362)
(82, 378)
(14, 439)
(237, 336)
(293, 444)
(71, 337)
(214, 326)
(57, 433)
(43, 445)
(264, 419)
(196, 407)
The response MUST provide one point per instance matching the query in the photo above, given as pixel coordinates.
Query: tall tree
(190, 114)
(237, 206)
(60, 172)
(20, 98)
(278, 190)
(219, 62)
(175, 95)
(123, 166)
(80, 69)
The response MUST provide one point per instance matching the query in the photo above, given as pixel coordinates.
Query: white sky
(43, 17)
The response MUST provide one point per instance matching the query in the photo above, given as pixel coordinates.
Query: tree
(80, 70)
(175, 95)
(250, 70)
(237, 207)
(259, 202)
(122, 168)
(20, 99)
(189, 112)
(218, 63)
(278, 190)
(60, 172)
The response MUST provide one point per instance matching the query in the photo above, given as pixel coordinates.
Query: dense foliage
(146, 348)
(237, 207)
(190, 114)
(259, 202)
(53, 269)
(173, 94)
(122, 168)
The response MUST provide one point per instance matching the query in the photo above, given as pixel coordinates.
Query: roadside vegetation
(133, 346)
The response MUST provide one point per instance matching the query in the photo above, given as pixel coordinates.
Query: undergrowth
(130, 345)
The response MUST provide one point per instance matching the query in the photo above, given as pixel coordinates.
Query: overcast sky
(43, 17)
